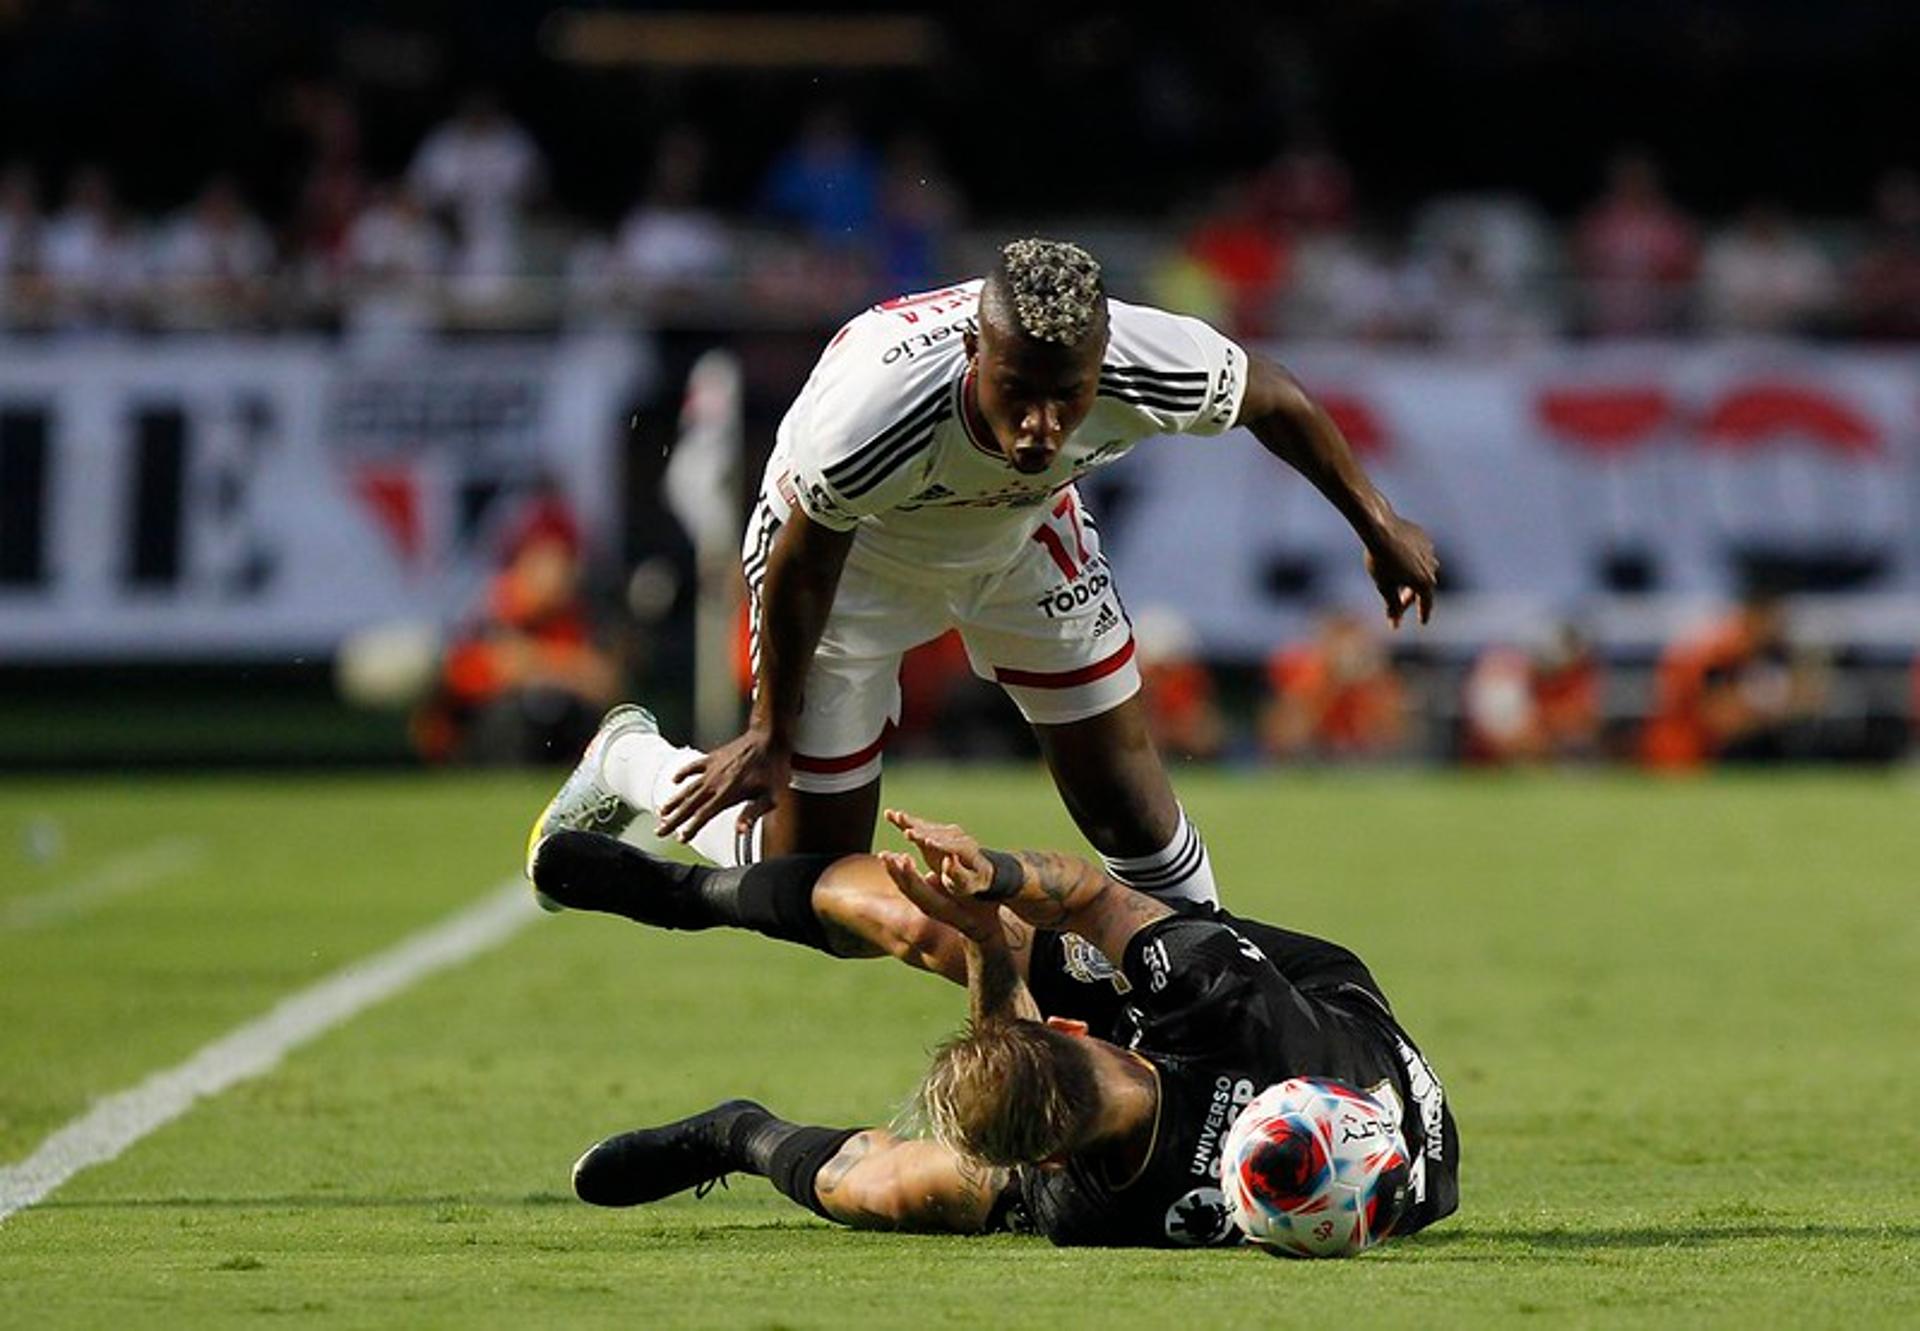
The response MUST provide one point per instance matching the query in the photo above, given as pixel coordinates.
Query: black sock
(588, 871)
(773, 897)
(790, 1156)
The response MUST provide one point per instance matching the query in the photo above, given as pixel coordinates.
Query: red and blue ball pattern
(1314, 1167)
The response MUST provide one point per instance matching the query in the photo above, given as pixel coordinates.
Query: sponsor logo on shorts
(1082, 592)
(1106, 620)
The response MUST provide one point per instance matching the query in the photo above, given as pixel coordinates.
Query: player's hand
(749, 768)
(978, 920)
(957, 875)
(1402, 564)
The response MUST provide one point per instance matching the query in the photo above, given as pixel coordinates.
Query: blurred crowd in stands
(471, 234)
(1734, 689)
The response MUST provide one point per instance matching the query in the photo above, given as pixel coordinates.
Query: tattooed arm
(1066, 892)
(880, 1181)
(1046, 889)
(994, 987)
(995, 947)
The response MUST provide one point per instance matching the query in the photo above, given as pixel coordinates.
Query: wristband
(1009, 875)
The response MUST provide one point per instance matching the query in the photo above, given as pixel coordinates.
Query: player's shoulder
(890, 369)
(1171, 363)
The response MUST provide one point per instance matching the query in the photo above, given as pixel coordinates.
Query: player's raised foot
(594, 871)
(584, 802)
(650, 1163)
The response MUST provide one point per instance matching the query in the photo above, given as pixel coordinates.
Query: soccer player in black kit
(1085, 1101)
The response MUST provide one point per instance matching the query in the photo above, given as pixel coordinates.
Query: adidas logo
(932, 492)
(1106, 619)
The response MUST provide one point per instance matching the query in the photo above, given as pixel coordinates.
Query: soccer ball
(1315, 1168)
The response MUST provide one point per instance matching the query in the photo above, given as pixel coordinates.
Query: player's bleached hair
(1009, 1093)
(1055, 289)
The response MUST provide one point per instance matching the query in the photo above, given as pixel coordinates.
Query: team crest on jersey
(1088, 964)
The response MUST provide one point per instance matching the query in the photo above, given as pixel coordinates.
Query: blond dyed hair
(1010, 1093)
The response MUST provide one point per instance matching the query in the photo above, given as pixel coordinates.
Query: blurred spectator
(19, 232)
(919, 207)
(1634, 252)
(670, 247)
(1344, 288)
(394, 253)
(1307, 188)
(1736, 691)
(946, 711)
(1477, 271)
(1449, 297)
(482, 171)
(1884, 286)
(92, 257)
(332, 187)
(525, 681)
(1533, 706)
(1763, 276)
(214, 259)
(826, 182)
(1176, 686)
(1246, 255)
(1335, 697)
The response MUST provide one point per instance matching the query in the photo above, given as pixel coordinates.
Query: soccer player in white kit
(925, 479)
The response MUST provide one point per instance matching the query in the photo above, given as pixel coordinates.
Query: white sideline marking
(120, 1120)
(125, 874)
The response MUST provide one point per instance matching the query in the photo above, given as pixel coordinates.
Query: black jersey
(1224, 1008)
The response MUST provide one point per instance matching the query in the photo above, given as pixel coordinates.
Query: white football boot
(584, 802)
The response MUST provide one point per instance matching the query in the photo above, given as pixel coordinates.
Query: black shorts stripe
(1143, 398)
(754, 566)
(849, 470)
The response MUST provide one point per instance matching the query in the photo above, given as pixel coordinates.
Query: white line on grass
(120, 1120)
(118, 877)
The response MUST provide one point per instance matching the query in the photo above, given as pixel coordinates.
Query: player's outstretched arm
(1294, 429)
(803, 573)
(1046, 889)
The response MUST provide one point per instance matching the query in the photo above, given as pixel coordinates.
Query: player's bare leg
(1114, 784)
(845, 906)
(880, 1181)
(806, 823)
(866, 1179)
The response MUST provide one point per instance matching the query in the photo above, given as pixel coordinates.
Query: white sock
(1178, 871)
(639, 769)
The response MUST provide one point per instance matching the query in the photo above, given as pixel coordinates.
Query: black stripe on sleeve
(900, 457)
(849, 469)
(1142, 372)
(1143, 398)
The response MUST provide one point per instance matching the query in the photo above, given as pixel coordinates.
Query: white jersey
(883, 440)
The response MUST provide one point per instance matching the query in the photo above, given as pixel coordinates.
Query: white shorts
(1050, 630)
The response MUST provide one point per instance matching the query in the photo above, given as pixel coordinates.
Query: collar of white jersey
(966, 409)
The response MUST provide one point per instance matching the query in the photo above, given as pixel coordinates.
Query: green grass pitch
(1680, 1023)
